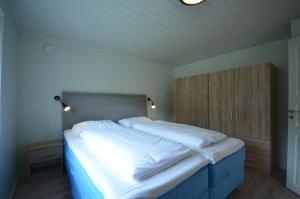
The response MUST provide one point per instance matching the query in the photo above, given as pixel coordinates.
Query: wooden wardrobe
(237, 102)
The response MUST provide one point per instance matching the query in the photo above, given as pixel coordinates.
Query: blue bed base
(226, 175)
(81, 185)
(209, 182)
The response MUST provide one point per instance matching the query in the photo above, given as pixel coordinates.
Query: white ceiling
(163, 31)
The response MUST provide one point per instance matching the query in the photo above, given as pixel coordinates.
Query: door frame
(293, 142)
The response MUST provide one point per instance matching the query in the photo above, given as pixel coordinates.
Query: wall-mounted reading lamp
(152, 103)
(65, 106)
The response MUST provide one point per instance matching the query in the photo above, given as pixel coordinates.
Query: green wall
(74, 67)
(276, 53)
(9, 71)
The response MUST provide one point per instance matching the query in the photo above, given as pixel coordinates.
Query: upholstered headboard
(99, 106)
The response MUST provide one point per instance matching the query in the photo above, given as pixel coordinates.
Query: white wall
(8, 103)
(78, 68)
(275, 52)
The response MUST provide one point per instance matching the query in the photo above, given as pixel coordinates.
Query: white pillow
(129, 122)
(93, 125)
(83, 126)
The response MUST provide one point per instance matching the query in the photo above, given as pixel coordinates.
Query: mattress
(105, 183)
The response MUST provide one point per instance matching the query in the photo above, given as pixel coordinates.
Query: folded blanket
(132, 154)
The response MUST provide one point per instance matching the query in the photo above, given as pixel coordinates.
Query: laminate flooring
(52, 184)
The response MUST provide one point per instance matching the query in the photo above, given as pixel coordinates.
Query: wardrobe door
(253, 89)
(186, 94)
(191, 100)
(251, 102)
(221, 102)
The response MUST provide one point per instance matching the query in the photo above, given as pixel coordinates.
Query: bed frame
(99, 106)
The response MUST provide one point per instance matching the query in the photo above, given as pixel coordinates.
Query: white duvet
(112, 186)
(133, 155)
(190, 136)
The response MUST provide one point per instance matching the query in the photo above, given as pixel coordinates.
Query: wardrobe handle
(292, 111)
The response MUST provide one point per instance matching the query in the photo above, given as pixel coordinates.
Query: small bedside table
(43, 152)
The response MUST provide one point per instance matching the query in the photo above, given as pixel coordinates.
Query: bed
(187, 179)
(227, 157)
(203, 181)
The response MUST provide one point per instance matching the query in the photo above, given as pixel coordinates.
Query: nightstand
(45, 152)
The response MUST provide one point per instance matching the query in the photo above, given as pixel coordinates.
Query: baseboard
(11, 195)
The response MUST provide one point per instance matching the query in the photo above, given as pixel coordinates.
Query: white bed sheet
(114, 187)
(221, 150)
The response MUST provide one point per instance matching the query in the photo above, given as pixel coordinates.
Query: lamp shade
(66, 107)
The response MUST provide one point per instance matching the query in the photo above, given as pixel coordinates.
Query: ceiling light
(191, 2)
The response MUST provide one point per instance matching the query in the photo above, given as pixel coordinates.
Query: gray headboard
(99, 106)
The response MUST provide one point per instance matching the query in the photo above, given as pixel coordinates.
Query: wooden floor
(50, 184)
(264, 187)
(54, 185)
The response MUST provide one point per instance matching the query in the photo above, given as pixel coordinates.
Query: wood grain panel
(203, 101)
(254, 92)
(258, 156)
(191, 100)
(186, 93)
(221, 102)
(250, 102)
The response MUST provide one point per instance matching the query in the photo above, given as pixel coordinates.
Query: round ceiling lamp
(191, 2)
